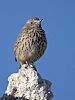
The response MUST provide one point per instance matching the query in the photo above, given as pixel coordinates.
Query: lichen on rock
(27, 84)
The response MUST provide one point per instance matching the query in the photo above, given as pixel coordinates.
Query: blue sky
(58, 62)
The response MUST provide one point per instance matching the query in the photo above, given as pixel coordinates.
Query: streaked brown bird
(31, 42)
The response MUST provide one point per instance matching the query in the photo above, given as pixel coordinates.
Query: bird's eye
(31, 22)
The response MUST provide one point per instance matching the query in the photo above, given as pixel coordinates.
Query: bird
(31, 42)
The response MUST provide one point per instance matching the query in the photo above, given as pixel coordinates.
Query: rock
(27, 84)
(6, 97)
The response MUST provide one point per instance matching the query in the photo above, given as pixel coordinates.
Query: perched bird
(31, 42)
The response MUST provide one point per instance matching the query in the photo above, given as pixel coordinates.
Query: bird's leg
(27, 63)
(32, 63)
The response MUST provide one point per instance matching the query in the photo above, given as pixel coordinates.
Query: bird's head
(34, 22)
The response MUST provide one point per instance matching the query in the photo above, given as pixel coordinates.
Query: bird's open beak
(41, 20)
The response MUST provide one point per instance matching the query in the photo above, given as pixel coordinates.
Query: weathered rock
(27, 84)
(6, 97)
